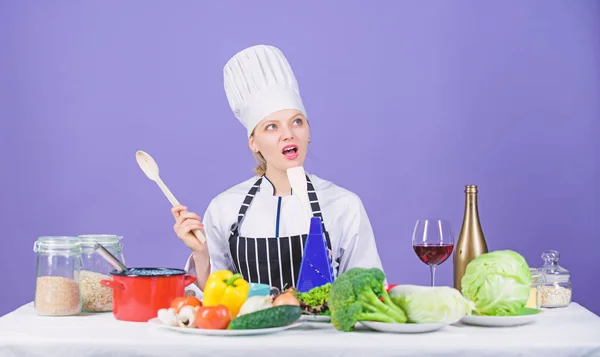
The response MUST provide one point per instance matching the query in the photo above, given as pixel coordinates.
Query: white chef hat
(259, 81)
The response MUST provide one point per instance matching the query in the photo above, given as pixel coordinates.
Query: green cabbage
(424, 304)
(498, 282)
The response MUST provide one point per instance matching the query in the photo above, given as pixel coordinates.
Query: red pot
(138, 293)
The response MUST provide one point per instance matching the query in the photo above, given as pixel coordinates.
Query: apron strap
(316, 207)
(245, 205)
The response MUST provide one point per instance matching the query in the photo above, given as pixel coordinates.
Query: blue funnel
(315, 269)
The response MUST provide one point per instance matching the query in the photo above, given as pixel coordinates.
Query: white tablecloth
(572, 331)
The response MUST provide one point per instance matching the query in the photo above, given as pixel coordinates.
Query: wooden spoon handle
(167, 192)
(174, 202)
(199, 235)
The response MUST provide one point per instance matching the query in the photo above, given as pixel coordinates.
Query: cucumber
(276, 316)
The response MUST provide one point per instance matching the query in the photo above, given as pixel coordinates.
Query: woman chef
(256, 228)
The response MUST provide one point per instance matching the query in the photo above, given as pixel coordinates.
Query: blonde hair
(261, 168)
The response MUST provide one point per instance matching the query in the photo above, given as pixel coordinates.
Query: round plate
(524, 317)
(197, 331)
(315, 318)
(402, 328)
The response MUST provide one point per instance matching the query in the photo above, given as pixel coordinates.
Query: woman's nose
(287, 133)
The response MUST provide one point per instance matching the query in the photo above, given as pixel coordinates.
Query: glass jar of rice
(557, 288)
(57, 276)
(94, 296)
(537, 283)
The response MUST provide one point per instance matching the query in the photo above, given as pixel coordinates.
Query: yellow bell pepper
(224, 287)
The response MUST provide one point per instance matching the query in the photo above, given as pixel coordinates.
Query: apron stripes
(270, 260)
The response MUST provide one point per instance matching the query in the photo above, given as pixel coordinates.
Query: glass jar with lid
(96, 297)
(537, 281)
(556, 289)
(57, 276)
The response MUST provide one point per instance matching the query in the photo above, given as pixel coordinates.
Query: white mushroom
(187, 317)
(167, 317)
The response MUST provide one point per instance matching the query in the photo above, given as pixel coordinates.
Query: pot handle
(188, 279)
(112, 284)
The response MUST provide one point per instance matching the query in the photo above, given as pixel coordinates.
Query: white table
(572, 331)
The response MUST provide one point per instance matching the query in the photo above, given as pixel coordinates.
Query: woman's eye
(271, 127)
(298, 121)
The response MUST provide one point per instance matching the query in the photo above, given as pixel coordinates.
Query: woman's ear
(252, 144)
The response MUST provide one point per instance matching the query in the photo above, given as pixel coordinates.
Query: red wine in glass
(433, 254)
(433, 243)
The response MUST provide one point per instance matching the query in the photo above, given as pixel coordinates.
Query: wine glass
(433, 242)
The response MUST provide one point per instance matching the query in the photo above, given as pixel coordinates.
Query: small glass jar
(57, 276)
(556, 290)
(96, 297)
(537, 281)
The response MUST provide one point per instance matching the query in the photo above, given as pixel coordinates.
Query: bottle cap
(471, 188)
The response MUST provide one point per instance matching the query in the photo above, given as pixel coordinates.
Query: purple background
(409, 102)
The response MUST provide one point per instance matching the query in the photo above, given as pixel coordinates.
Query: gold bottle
(471, 242)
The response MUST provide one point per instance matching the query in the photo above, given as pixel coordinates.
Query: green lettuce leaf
(424, 304)
(498, 282)
(316, 296)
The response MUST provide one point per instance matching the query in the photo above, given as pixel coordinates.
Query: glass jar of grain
(96, 297)
(556, 290)
(537, 282)
(57, 277)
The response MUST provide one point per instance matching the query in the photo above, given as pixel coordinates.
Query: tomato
(389, 287)
(213, 317)
(182, 301)
(286, 299)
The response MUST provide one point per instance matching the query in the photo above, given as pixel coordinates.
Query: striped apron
(271, 260)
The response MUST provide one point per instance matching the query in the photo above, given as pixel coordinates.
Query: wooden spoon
(150, 168)
(297, 178)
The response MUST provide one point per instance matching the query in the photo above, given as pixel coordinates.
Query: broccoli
(359, 295)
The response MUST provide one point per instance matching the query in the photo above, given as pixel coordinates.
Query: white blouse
(343, 213)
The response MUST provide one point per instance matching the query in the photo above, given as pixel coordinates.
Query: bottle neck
(471, 214)
(470, 202)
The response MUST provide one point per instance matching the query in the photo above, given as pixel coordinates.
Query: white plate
(197, 331)
(402, 328)
(315, 318)
(499, 321)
